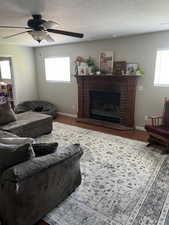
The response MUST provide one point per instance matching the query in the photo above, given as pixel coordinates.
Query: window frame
(58, 81)
(159, 84)
(3, 58)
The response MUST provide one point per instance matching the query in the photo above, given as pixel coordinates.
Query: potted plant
(90, 64)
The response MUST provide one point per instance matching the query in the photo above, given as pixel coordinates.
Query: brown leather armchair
(158, 130)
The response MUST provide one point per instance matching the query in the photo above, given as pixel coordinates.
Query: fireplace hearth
(105, 106)
(108, 99)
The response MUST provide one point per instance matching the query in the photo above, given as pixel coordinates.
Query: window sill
(161, 85)
(55, 81)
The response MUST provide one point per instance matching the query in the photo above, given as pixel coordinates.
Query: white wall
(23, 71)
(137, 49)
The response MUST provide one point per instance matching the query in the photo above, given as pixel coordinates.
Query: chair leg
(159, 140)
(150, 141)
(166, 149)
(148, 145)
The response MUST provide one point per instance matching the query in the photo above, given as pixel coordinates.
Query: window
(5, 69)
(57, 69)
(162, 68)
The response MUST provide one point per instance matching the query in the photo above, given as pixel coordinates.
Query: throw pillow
(41, 149)
(38, 109)
(11, 155)
(7, 115)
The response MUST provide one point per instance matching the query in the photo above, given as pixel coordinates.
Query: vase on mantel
(90, 70)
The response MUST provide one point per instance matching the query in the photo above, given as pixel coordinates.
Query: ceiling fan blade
(13, 35)
(49, 24)
(72, 34)
(15, 27)
(49, 38)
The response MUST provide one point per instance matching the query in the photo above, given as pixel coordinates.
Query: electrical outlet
(146, 117)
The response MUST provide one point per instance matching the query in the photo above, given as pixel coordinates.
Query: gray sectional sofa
(31, 189)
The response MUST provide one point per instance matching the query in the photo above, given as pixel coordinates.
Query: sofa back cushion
(7, 115)
(12, 154)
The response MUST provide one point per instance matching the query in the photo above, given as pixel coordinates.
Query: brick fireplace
(107, 98)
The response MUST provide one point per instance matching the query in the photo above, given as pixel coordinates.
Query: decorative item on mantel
(92, 68)
(133, 69)
(119, 67)
(85, 66)
(106, 62)
(80, 66)
(140, 72)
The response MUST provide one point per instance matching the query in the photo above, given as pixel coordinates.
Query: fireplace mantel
(126, 85)
(120, 77)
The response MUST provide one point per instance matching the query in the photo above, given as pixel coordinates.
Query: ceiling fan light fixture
(38, 35)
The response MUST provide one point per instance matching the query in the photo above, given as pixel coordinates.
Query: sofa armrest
(36, 165)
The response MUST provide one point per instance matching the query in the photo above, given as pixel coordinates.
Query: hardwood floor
(136, 135)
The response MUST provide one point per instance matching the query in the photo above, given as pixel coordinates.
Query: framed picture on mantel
(131, 68)
(119, 68)
(106, 62)
(82, 69)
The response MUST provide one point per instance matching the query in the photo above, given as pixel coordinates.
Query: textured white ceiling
(97, 19)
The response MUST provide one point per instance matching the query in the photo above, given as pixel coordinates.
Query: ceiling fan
(39, 29)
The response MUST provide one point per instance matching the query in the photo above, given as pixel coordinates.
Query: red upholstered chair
(158, 130)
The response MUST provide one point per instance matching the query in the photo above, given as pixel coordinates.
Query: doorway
(6, 81)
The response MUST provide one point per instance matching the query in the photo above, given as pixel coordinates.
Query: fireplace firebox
(105, 106)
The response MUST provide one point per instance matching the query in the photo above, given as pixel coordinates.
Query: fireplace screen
(105, 106)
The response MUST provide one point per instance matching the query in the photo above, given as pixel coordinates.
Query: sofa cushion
(160, 130)
(7, 115)
(12, 154)
(30, 124)
(41, 149)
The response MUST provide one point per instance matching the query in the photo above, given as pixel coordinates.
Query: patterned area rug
(124, 182)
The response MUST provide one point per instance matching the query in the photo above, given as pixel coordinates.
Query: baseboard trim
(67, 114)
(140, 128)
